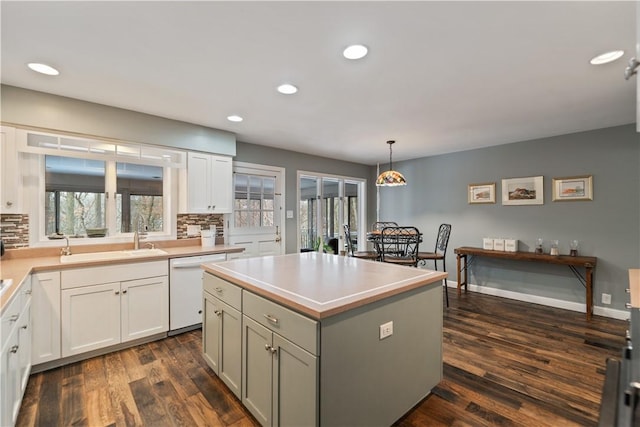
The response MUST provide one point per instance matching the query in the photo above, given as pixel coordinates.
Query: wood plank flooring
(506, 363)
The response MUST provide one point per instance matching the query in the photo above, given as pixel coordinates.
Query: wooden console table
(573, 262)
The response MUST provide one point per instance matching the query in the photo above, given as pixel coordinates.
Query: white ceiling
(440, 76)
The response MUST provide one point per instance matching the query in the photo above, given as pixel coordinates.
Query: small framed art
(482, 193)
(523, 191)
(573, 188)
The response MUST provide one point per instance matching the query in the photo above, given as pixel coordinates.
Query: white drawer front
(113, 273)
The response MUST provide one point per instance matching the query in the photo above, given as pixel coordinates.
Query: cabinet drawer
(10, 317)
(297, 328)
(225, 291)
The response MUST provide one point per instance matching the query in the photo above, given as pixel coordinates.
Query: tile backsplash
(14, 230)
(203, 220)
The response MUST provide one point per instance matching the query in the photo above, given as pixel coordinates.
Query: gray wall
(294, 162)
(57, 113)
(607, 227)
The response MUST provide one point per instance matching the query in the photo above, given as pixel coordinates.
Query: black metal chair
(351, 250)
(400, 245)
(439, 254)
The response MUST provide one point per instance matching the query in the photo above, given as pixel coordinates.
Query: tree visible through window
(75, 196)
(253, 201)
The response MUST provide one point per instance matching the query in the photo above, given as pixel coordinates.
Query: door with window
(326, 204)
(257, 223)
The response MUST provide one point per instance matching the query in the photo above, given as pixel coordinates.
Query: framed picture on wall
(523, 191)
(482, 193)
(573, 188)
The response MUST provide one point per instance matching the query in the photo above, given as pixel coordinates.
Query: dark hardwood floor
(505, 363)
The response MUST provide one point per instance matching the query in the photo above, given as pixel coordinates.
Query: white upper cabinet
(9, 175)
(209, 183)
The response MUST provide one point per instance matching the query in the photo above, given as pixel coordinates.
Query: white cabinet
(10, 194)
(104, 306)
(90, 318)
(209, 183)
(15, 354)
(222, 330)
(99, 316)
(144, 307)
(279, 376)
(45, 317)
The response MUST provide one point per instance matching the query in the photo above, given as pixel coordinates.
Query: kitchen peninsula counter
(17, 264)
(349, 341)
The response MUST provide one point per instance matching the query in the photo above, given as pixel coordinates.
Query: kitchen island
(324, 339)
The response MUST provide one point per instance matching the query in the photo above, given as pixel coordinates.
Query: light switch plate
(289, 214)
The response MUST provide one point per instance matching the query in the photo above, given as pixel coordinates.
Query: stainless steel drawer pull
(267, 347)
(217, 312)
(13, 318)
(271, 319)
(14, 349)
(27, 292)
(219, 290)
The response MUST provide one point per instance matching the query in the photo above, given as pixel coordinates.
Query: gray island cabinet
(317, 339)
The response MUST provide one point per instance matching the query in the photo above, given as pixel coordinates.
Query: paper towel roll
(208, 238)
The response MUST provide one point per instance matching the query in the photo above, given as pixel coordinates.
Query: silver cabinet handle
(219, 290)
(217, 312)
(27, 292)
(9, 203)
(14, 349)
(628, 305)
(271, 319)
(117, 292)
(267, 347)
(270, 349)
(124, 292)
(13, 318)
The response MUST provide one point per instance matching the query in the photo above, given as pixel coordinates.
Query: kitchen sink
(111, 255)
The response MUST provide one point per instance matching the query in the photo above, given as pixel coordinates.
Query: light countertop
(322, 285)
(19, 263)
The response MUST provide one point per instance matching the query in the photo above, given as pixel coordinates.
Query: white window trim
(32, 176)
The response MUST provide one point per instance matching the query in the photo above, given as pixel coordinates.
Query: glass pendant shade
(390, 178)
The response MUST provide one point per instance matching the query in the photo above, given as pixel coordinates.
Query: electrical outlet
(386, 330)
(606, 298)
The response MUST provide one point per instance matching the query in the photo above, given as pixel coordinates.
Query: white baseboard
(550, 302)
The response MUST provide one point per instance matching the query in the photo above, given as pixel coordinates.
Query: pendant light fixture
(390, 178)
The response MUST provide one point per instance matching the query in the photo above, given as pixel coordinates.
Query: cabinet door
(256, 370)
(145, 307)
(45, 321)
(9, 175)
(295, 385)
(9, 378)
(211, 331)
(90, 318)
(230, 366)
(24, 350)
(199, 183)
(222, 185)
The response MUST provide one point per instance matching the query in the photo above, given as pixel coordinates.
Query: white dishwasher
(185, 291)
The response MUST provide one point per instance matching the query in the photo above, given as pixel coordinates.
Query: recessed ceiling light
(43, 68)
(355, 51)
(234, 118)
(606, 57)
(287, 89)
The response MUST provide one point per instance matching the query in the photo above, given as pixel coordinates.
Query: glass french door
(326, 203)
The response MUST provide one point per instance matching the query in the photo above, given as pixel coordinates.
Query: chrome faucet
(66, 250)
(137, 233)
